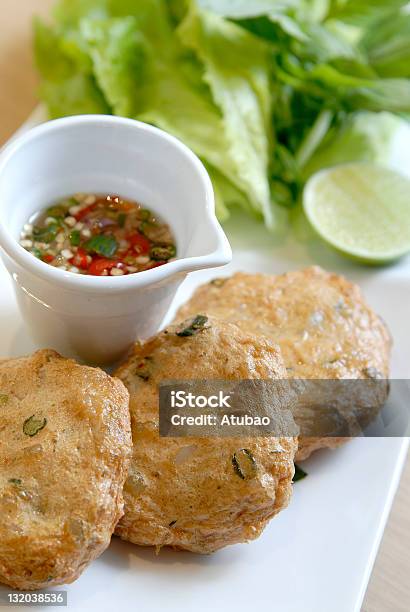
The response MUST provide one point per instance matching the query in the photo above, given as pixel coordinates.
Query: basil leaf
(145, 214)
(102, 245)
(58, 212)
(36, 252)
(75, 238)
(46, 234)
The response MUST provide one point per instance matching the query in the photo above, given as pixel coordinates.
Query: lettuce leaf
(364, 13)
(140, 59)
(265, 92)
(117, 53)
(69, 13)
(227, 195)
(387, 46)
(68, 84)
(144, 72)
(236, 68)
(365, 136)
(241, 9)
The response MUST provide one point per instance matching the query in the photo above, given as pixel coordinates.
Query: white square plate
(317, 555)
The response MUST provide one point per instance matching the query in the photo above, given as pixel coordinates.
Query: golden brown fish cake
(186, 492)
(65, 445)
(320, 320)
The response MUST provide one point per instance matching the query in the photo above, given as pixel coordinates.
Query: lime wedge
(362, 210)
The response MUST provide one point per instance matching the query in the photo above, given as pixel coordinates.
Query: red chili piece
(139, 243)
(100, 265)
(80, 259)
(85, 211)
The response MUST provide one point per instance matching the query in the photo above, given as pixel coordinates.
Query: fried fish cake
(320, 320)
(201, 494)
(65, 446)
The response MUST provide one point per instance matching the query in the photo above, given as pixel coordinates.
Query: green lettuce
(227, 196)
(240, 9)
(364, 13)
(388, 46)
(365, 136)
(144, 72)
(137, 63)
(69, 13)
(118, 58)
(236, 68)
(265, 92)
(68, 83)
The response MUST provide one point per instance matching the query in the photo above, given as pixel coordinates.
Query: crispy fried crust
(65, 445)
(320, 320)
(185, 492)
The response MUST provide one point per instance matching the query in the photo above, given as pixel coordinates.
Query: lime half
(362, 210)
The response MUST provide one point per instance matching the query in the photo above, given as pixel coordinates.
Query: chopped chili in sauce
(99, 235)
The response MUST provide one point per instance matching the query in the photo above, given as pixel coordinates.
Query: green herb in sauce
(145, 214)
(98, 235)
(75, 238)
(57, 212)
(46, 234)
(102, 245)
(3, 399)
(145, 227)
(163, 252)
(36, 252)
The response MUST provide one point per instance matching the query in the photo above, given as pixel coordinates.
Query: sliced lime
(362, 210)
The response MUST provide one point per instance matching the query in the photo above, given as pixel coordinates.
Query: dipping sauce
(99, 235)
